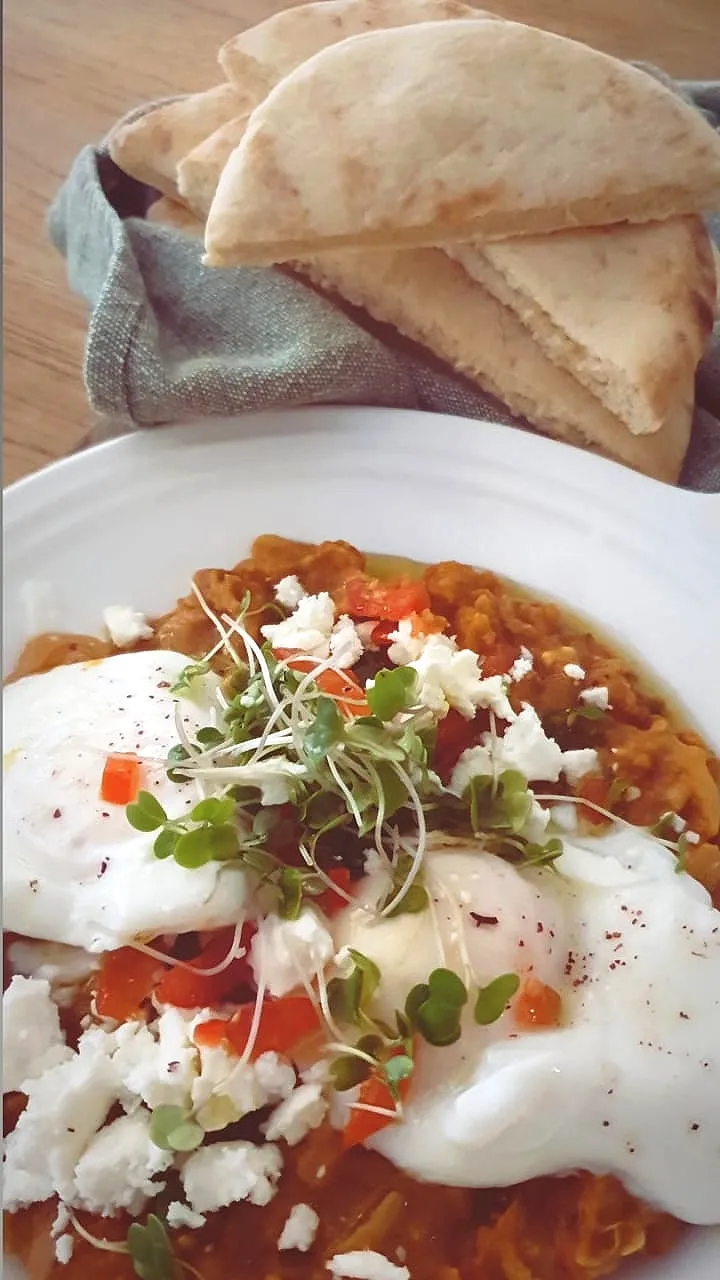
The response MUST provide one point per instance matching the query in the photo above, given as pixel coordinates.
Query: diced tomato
(498, 660)
(536, 1005)
(341, 686)
(373, 1092)
(284, 1024)
(454, 735)
(125, 981)
(331, 902)
(120, 779)
(593, 788)
(381, 632)
(187, 990)
(369, 598)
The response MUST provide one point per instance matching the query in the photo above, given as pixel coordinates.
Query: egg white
(74, 870)
(629, 1084)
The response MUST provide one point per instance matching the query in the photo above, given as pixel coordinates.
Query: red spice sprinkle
(610, 936)
(479, 919)
(540, 927)
(57, 813)
(694, 1128)
(684, 1015)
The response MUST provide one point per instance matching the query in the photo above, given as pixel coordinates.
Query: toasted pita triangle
(627, 310)
(431, 300)
(452, 131)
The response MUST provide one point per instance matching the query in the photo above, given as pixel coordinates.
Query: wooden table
(73, 66)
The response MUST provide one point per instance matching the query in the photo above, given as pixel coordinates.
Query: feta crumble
(450, 677)
(181, 1215)
(289, 591)
(365, 1264)
(226, 1089)
(64, 1246)
(117, 1168)
(214, 1177)
(573, 671)
(346, 646)
(596, 697)
(308, 629)
(575, 764)
(300, 1228)
(283, 951)
(522, 666)
(406, 644)
(126, 625)
(304, 1110)
(32, 1037)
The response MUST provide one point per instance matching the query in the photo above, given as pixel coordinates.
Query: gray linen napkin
(170, 340)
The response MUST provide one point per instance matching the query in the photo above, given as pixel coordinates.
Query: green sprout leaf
(492, 999)
(350, 996)
(681, 849)
(176, 755)
(146, 813)
(542, 855)
(194, 848)
(189, 674)
(396, 1069)
(434, 1008)
(369, 974)
(347, 1071)
(446, 986)
(416, 898)
(166, 843)
(150, 1250)
(501, 804)
(324, 733)
(217, 810)
(394, 791)
(290, 885)
(586, 712)
(172, 1129)
(210, 737)
(393, 691)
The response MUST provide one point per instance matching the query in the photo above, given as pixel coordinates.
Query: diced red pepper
(369, 598)
(187, 990)
(341, 686)
(284, 1024)
(120, 779)
(330, 902)
(381, 632)
(536, 1005)
(373, 1092)
(125, 981)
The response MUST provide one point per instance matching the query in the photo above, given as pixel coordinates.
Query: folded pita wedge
(257, 59)
(431, 300)
(627, 310)
(150, 147)
(411, 136)
(198, 173)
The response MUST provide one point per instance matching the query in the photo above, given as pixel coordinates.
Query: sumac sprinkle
(477, 919)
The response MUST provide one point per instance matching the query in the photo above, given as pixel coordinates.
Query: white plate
(129, 521)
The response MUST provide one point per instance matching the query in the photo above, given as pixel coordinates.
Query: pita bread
(627, 310)
(172, 214)
(582, 140)
(199, 171)
(431, 300)
(149, 147)
(257, 59)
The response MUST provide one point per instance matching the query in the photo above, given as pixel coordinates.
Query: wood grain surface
(73, 66)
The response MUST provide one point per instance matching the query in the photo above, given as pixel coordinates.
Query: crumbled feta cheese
(406, 644)
(273, 777)
(564, 817)
(226, 1172)
(62, 1220)
(677, 823)
(126, 625)
(522, 666)
(117, 1168)
(536, 824)
(575, 764)
(32, 1037)
(526, 747)
(283, 951)
(64, 1246)
(692, 837)
(304, 1110)
(289, 591)
(596, 697)
(66, 1106)
(227, 1089)
(346, 646)
(475, 762)
(365, 1264)
(181, 1215)
(300, 1229)
(573, 671)
(450, 677)
(308, 628)
(158, 1068)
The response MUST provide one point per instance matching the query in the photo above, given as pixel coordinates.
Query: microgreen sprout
(492, 1000)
